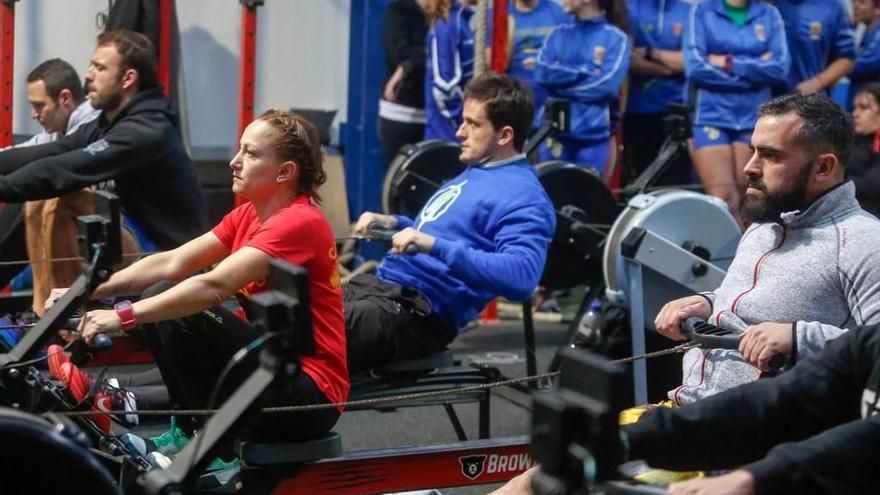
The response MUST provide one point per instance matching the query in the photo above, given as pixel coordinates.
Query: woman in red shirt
(278, 168)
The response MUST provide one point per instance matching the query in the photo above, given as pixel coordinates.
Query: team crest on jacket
(472, 465)
(760, 32)
(598, 54)
(677, 29)
(815, 30)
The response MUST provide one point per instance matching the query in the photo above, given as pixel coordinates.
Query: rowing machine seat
(442, 359)
(267, 454)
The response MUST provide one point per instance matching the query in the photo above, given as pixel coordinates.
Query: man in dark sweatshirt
(133, 148)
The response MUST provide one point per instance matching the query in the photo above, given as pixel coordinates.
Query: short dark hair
(58, 75)
(871, 88)
(824, 127)
(137, 52)
(298, 141)
(508, 102)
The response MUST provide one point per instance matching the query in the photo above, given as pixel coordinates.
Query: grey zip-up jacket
(819, 270)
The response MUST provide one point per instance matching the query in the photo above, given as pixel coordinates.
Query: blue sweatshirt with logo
(493, 224)
(450, 66)
(656, 24)
(818, 32)
(585, 63)
(759, 59)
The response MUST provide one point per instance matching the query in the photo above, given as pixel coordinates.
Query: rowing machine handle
(101, 341)
(711, 337)
(377, 230)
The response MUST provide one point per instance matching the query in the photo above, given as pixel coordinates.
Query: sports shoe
(158, 460)
(219, 474)
(113, 397)
(56, 356)
(172, 441)
(77, 382)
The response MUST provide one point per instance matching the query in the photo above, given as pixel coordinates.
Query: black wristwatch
(649, 53)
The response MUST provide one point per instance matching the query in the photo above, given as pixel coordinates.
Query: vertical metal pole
(166, 8)
(529, 337)
(637, 329)
(7, 63)
(247, 67)
(499, 36)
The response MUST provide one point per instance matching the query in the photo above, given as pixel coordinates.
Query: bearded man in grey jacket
(805, 271)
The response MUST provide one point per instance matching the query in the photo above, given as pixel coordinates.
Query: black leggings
(192, 351)
(147, 386)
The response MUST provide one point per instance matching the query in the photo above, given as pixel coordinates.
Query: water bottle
(589, 329)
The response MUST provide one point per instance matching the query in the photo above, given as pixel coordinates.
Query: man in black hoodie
(133, 148)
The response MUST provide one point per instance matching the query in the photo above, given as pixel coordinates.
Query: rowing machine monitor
(101, 241)
(575, 429)
(678, 128)
(557, 119)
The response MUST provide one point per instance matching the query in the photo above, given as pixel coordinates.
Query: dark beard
(109, 102)
(772, 206)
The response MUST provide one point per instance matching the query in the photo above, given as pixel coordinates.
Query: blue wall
(364, 163)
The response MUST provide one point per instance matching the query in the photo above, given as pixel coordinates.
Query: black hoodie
(141, 151)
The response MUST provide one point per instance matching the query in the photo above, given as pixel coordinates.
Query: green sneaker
(220, 474)
(172, 441)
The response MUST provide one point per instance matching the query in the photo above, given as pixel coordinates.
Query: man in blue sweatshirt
(484, 234)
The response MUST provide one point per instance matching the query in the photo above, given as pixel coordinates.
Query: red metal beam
(247, 64)
(247, 68)
(405, 469)
(166, 9)
(499, 36)
(7, 62)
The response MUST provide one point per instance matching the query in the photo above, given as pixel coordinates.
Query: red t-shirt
(299, 234)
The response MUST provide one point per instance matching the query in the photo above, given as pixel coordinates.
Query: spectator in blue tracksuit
(867, 65)
(734, 51)
(820, 40)
(530, 21)
(450, 66)
(585, 63)
(656, 79)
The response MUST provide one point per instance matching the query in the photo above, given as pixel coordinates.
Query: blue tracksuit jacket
(867, 58)
(656, 24)
(493, 224)
(818, 32)
(586, 63)
(529, 31)
(759, 49)
(450, 66)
